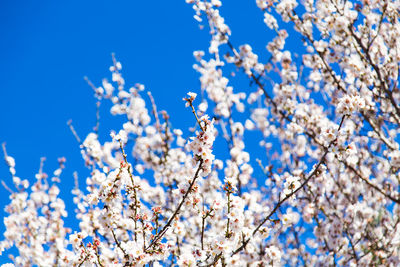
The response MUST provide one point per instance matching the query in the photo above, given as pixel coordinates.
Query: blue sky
(47, 47)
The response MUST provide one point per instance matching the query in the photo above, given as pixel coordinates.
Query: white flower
(395, 158)
(93, 146)
(57, 172)
(10, 161)
(290, 218)
(76, 240)
(291, 184)
(201, 145)
(203, 106)
(249, 125)
(351, 154)
(190, 99)
(192, 95)
(350, 104)
(273, 253)
(328, 134)
(270, 21)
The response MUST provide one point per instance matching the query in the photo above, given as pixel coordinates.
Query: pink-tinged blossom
(201, 145)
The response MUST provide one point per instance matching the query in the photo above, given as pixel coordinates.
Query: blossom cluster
(201, 145)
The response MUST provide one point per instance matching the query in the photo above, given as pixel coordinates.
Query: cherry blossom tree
(325, 192)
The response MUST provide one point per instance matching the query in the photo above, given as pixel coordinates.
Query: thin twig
(168, 224)
(155, 113)
(71, 127)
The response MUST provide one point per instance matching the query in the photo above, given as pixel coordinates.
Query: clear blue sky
(47, 47)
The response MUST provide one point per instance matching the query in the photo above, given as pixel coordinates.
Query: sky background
(47, 47)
